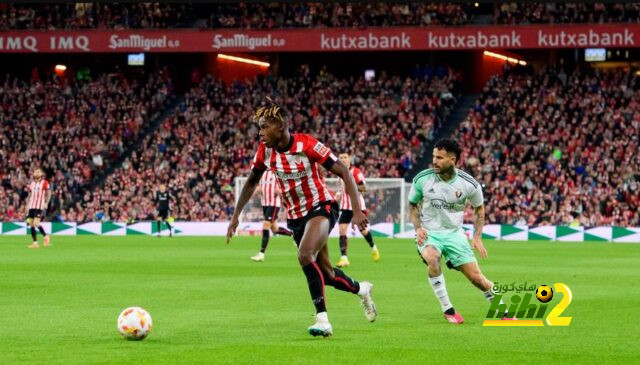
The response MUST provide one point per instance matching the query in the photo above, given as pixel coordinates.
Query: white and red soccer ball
(134, 323)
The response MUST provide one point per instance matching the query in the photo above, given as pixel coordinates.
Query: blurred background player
(438, 198)
(163, 198)
(37, 202)
(346, 213)
(270, 207)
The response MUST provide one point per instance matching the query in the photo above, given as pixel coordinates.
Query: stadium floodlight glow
(60, 68)
(243, 60)
(503, 57)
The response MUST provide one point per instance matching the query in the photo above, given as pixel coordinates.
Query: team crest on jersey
(458, 194)
(321, 149)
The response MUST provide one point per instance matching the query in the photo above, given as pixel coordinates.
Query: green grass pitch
(211, 304)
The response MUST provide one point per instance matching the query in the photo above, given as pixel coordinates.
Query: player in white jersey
(270, 207)
(37, 202)
(438, 198)
(346, 214)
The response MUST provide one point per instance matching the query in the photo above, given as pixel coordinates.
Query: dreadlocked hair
(272, 110)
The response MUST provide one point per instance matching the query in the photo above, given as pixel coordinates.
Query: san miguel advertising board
(323, 40)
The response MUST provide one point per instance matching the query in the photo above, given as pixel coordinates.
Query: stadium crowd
(557, 148)
(87, 15)
(211, 139)
(336, 14)
(71, 129)
(560, 12)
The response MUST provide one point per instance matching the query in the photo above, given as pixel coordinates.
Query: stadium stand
(95, 15)
(71, 130)
(336, 14)
(301, 15)
(554, 148)
(547, 13)
(200, 150)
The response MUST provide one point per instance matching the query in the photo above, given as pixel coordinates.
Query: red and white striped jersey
(37, 194)
(345, 201)
(268, 185)
(296, 169)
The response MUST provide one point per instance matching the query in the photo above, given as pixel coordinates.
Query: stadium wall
(491, 231)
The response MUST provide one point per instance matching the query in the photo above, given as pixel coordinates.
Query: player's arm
(478, 224)
(47, 199)
(414, 215)
(477, 200)
(359, 178)
(415, 201)
(245, 195)
(342, 171)
(26, 203)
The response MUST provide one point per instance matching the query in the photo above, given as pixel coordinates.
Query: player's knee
(433, 261)
(434, 270)
(305, 257)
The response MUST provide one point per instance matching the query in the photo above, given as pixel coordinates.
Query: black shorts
(346, 216)
(270, 213)
(34, 213)
(163, 213)
(324, 209)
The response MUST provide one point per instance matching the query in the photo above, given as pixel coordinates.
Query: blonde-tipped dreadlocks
(271, 111)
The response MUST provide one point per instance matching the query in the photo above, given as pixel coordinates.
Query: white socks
(437, 283)
(489, 296)
(322, 317)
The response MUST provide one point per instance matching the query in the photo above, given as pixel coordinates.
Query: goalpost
(385, 198)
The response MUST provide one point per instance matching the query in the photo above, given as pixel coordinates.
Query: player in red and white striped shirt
(37, 202)
(311, 210)
(270, 207)
(346, 214)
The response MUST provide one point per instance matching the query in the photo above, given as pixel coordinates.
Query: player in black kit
(162, 203)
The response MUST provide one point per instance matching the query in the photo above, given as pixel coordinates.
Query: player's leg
(266, 226)
(366, 233)
(341, 281)
(34, 221)
(431, 254)
(46, 238)
(159, 223)
(267, 212)
(274, 225)
(343, 225)
(165, 219)
(316, 233)
(472, 271)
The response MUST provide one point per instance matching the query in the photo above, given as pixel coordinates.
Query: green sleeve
(415, 194)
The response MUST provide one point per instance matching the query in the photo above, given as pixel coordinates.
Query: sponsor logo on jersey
(292, 175)
(441, 204)
(321, 149)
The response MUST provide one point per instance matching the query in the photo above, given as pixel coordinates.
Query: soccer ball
(544, 293)
(134, 323)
